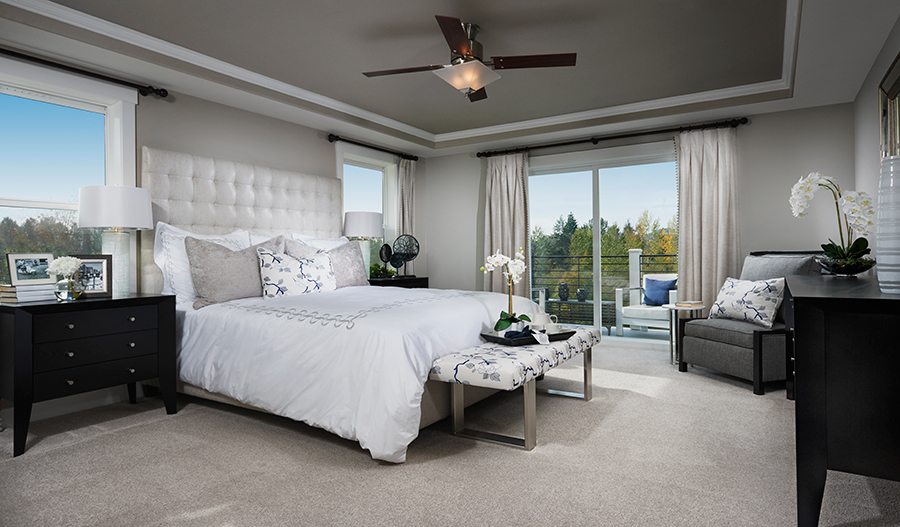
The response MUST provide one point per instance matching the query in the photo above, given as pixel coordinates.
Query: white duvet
(352, 361)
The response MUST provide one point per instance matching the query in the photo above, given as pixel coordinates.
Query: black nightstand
(53, 349)
(410, 282)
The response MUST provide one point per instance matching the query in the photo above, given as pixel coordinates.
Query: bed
(353, 361)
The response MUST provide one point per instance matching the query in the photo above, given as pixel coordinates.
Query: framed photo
(95, 274)
(30, 268)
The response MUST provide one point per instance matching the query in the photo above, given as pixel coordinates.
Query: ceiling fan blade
(477, 95)
(402, 70)
(455, 35)
(534, 61)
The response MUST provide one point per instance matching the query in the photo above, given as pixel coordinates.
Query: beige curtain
(505, 216)
(406, 176)
(708, 236)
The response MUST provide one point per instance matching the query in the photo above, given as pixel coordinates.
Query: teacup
(536, 327)
(551, 328)
(542, 319)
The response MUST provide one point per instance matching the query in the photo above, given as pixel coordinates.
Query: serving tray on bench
(524, 341)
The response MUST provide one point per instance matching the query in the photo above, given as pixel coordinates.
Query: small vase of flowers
(855, 212)
(67, 289)
(513, 269)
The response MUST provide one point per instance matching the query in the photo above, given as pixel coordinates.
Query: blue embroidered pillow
(656, 292)
(283, 275)
(750, 301)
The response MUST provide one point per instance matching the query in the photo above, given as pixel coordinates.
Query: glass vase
(887, 232)
(68, 290)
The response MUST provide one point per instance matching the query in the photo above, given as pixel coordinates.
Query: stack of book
(689, 303)
(10, 294)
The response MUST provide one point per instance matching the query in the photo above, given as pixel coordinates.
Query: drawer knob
(130, 370)
(131, 319)
(131, 344)
(70, 354)
(70, 382)
(70, 326)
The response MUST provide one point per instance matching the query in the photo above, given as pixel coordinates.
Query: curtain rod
(143, 90)
(332, 138)
(733, 123)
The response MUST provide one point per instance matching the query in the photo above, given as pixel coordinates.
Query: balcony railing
(577, 273)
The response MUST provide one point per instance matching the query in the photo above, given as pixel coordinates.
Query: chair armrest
(673, 296)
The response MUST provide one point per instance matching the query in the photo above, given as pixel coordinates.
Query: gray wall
(182, 123)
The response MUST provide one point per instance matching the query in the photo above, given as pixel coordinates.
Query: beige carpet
(654, 448)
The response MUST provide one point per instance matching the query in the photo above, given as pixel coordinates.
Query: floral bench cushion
(508, 367)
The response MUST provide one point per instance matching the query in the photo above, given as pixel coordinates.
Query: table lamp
(364, 225)
(116, 211)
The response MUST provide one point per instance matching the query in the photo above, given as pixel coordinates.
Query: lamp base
(118, 243)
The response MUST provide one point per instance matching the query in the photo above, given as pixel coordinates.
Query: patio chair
(643, 316)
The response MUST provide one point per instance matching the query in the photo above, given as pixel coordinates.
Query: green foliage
(856, 251)
(508, 319)
(568, 239)
(379, 271)
(53, 232)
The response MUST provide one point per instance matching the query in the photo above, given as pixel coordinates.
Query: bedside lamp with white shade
(364, 225)
(116, 211)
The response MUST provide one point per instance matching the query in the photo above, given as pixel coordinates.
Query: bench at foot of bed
(508, 368)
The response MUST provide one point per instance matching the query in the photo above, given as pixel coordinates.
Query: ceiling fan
(467, 72)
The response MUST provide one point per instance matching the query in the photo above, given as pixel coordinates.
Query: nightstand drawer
(78, 352)
(59, 383)
(90, 323)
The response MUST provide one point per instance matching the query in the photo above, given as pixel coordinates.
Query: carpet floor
(655, 447)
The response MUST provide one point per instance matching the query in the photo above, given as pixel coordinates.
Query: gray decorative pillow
(749, 301)
(776, 265)
(220, 274)
(297, 249)
(348, 264)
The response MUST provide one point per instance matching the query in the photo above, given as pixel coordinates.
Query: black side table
(409, 282)
(52, 349)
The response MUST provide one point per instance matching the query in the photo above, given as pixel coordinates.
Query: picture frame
(30, 268)
(95, 275)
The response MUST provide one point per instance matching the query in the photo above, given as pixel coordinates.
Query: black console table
(846, 360)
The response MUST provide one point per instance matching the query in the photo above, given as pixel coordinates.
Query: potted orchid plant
(855, 212)
(513, 269)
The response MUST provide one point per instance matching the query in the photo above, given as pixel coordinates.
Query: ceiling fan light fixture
(471, 75)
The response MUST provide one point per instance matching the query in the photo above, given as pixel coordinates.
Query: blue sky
(362, 189)
(48, 151)
(625, 192)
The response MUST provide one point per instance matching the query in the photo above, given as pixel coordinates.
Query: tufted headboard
(211, 196)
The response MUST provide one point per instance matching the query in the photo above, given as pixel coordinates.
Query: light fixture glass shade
(109, 207)
(468, 75)
(363, 224)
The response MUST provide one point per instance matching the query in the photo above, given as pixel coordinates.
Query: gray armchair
(743, 349)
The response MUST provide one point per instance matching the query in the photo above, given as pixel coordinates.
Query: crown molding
(98, 26)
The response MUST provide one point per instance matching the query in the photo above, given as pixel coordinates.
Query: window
(60, 132)
(629, 194)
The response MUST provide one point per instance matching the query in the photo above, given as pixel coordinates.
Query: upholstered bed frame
(212, 196)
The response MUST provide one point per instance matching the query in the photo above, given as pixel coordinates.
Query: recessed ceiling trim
(129, 36)
(102, 27)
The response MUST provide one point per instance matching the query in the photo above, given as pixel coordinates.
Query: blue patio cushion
(656, 292)
(725, 330)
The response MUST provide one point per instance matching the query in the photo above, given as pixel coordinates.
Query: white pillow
(750, 301)
(321, 243)
(171, 257)
(283, 275)
(257, 238)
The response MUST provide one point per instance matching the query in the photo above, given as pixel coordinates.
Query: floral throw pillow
(750, 301)
(283, 275)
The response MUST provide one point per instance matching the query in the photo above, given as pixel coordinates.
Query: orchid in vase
(513, 269)
(855, 212)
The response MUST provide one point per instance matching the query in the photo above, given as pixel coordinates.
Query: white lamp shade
(363, 224)
(109, 207)
(472, 75)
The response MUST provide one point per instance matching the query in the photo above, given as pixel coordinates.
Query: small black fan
(405, 250)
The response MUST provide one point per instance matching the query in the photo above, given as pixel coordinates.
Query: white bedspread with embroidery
(352, 361)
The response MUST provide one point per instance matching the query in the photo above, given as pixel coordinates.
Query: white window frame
(388, 165)
(594, 161)
(115, 102)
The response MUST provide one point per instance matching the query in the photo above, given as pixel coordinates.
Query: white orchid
(513, 269)
(65, 265)
(856, 207)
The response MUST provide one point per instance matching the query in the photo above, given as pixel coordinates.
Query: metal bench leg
(457, 411)
(588, 382)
